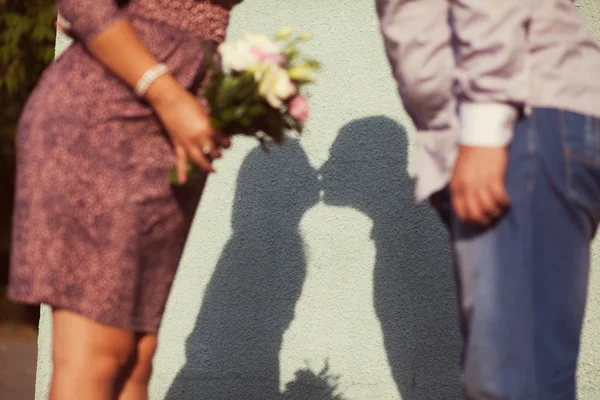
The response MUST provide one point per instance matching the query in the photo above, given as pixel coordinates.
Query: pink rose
(264, 55)
(299, 109)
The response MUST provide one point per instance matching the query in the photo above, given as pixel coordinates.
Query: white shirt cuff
(487, 124)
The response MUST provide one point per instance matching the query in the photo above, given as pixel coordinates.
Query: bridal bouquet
(257, 91)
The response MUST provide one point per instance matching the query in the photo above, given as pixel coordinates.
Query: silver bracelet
(149, 77)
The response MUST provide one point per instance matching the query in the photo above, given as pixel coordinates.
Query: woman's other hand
(188, 126)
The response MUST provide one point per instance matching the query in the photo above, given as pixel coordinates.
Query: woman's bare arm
(109, 37)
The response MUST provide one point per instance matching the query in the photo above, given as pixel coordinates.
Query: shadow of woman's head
(276, 187)
(250, 299)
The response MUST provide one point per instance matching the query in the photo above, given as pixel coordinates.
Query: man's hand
(477, 187)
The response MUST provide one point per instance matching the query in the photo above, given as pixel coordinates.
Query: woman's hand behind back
(188, 126)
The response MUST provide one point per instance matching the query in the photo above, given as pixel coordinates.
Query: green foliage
(26, 43)
(26, 48)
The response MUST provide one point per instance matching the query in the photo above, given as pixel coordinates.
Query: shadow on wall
(314, 386)
(414, 291)
(233, 352)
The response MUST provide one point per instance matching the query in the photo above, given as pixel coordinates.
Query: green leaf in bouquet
(301, 73)
(257, 110)
(246, 122)
(284, 33)
(227, 114)
(226, 91)
(306, 80)
(304, 36)
(246, 88)
(234, 90)
(211, 90)
(240, 111)
(249, 75)
(314, 64)
(216, 123)
(291, 53)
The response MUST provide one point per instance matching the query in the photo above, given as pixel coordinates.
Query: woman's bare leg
(89, 359)
(136, 383)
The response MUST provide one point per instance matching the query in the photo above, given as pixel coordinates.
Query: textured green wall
(308, 271)
(589, 372)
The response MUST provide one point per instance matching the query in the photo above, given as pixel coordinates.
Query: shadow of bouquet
(309, 385)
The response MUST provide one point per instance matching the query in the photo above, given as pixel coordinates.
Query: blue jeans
(522, 283)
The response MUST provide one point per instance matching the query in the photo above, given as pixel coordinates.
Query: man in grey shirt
(506, 102)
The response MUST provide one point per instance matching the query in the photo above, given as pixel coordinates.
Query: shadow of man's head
(413, 290)
(367, 162)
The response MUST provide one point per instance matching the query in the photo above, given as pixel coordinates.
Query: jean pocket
(581, 141)
(581, 135)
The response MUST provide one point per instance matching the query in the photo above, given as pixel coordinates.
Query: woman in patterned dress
(98, 228)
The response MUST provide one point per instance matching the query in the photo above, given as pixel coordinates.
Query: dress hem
(103, 321)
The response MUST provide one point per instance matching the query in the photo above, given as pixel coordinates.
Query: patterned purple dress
(98, 228)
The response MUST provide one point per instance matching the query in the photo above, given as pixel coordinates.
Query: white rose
(237, 55)
(275, 86)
